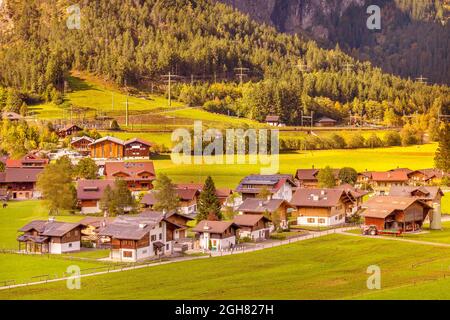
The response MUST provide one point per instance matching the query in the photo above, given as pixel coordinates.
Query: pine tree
(208, 202)
(442, 156)
(165, 195)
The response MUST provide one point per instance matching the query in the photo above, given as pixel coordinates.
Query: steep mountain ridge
(414, 39)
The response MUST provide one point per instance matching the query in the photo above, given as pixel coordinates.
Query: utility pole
(241, 73)
(422, 80)
(308, 119)
(169, 78)
(348, 67)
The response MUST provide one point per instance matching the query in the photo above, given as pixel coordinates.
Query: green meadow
(229, 175)
(332, 267)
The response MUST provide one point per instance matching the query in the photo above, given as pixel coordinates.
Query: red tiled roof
(390, 176)
(132, 169)
(141, 141)
(20, 175)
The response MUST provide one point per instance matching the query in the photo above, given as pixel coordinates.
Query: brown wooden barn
(107, 148)
(395, 213)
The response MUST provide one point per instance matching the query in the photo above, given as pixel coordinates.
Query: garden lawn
(445, 203)
(18, 214)
(31, 268)
(331, 267)
(413, 157)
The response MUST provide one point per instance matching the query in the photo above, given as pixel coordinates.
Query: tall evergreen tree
(442, 156)
(208, 202)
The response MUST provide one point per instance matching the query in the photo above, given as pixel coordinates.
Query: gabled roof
(132, 169)
(76, 139)
(107, 138)
(217, 227)
(382, 206)
(70, 126)
(141, 141)
(399, 175)
(261, 205)
(248, 220)
(354, 192)
(326, 119)
(49, 228)
(220, 192)
(273, 182)
(92, 189)
(323, 198)
(12, 175)
(430, 173)
(311, 174)
(426, 192)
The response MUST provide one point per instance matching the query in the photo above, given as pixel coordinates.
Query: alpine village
(92, 98)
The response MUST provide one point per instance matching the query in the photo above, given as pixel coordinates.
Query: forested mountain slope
(131, 41)
(414, 39)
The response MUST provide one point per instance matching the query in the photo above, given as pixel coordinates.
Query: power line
(240, 73)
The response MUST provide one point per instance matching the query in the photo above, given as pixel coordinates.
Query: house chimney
(142, 225)
(51, 219)
(206, 227)
(322, 192)
(260, 203)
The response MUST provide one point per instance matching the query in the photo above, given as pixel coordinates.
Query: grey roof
(274, 181)
(128, 228)
(427, 192)
(49, 228)
(261, 205)
(108, 138)
(76, 139)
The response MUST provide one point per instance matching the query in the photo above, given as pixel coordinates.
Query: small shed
(326, 122)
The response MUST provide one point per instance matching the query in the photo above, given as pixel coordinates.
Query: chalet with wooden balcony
(69, 130)
(215, 235)
(50, 236)
(321, 207)
(138, 238)
(20, 183)
(138, 175)
(280, 186)
(137, 149)
(89, 194)
(279, 208)
(253, 226)
(81, 144)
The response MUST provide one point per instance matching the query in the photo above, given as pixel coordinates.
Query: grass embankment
(332, 267)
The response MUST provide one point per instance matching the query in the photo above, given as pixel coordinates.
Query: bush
(355, 141)
(445, 181)
(374, 141)
(338, 141)
(392, 138)
(114, 125)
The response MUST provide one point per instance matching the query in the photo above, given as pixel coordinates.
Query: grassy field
(333, 267)
(414, 157)
(30, 268)
(19, 214)
(441, 236)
